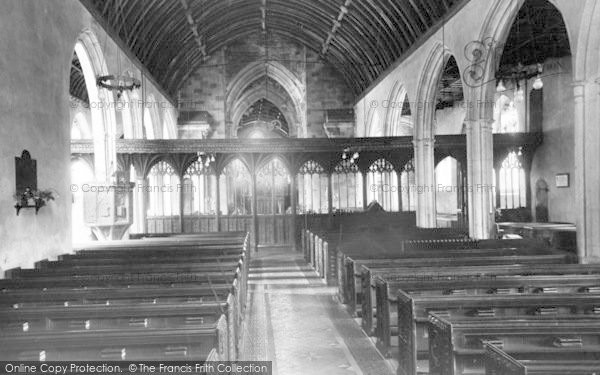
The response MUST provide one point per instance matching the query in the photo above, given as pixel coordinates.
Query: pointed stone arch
(93, 64)
(251, 96)
(394, 110)
(424, 113)
(423, 133)
(282, 75)
(374, 123)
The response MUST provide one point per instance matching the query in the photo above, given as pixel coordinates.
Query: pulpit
(108, 209)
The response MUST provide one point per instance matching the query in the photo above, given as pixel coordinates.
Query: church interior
(312, 186)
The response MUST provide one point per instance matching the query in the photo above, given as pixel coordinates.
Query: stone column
(254, 210)
(364, 189)
(587, 171)
(480, 162)
(139, 204)
(399, 189)
(182, 201)
(218, 205)
(294, 204)
(330, 193)
(425, 181)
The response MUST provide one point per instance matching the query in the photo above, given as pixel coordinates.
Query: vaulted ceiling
(361, 38)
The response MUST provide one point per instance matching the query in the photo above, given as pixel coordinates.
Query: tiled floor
(294, 320)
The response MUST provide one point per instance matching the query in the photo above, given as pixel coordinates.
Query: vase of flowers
(33, 199)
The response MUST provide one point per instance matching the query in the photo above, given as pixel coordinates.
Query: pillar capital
(484, 124)
(425, 142)
(579, 88)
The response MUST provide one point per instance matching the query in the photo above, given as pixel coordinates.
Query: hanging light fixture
(118, 82)
(538, 83)
(500, 87)
(345, 153)
(205, 159)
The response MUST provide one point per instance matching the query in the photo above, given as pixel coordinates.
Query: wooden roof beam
(194, 28)
(337, 23)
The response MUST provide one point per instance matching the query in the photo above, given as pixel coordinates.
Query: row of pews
(170, 298)
(454, 305)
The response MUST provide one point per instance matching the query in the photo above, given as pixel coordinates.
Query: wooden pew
(92, 317)
(456, 345)
(22, 297)
(84, 260)
(352, 288)
(321, 247)
(129, 275)
(364, 253)
(391, 298)
(381, 257)
(379, 279)
(497, 362)
(142, 275)
(147, 296)
(60, 269)
(205, 235)
(189, 343)
(127, 266)
(413, 313)
(142, 315)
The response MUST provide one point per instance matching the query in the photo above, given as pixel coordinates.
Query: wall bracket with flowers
(27, 194)
(33, 199)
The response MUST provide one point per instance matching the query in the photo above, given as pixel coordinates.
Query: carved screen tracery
(313, 187)
(235, 184)
(382, 185)
(347, 187)
(163, 190)
(199, 190)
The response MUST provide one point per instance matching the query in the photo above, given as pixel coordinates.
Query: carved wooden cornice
(296, 145)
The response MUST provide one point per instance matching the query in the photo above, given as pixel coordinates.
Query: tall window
(163, 190)
(313, 188)
(235, 186)
(199, 190)
(382, 184)
(347, 187)
(446, 184)
(273, 189)
(408, 187)
(512, 183)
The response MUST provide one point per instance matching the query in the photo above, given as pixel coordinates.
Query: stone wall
(322, 86)
(36, 48)
(556, 154)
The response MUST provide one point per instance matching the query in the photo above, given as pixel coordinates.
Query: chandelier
(118, 82)
(520, 73)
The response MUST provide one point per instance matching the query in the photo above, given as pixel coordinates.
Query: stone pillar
(105, 155)
(480, 162)
(330, 193)
(364, 189)
(254, 210)
(218, 205)
(294, 205)
(399, 189)
(182, 201)
(139, 204)
(425, 181)
(587, 171)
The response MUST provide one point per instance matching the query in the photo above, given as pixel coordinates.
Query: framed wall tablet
(562, 180)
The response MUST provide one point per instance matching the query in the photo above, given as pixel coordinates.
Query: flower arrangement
(33, 198)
